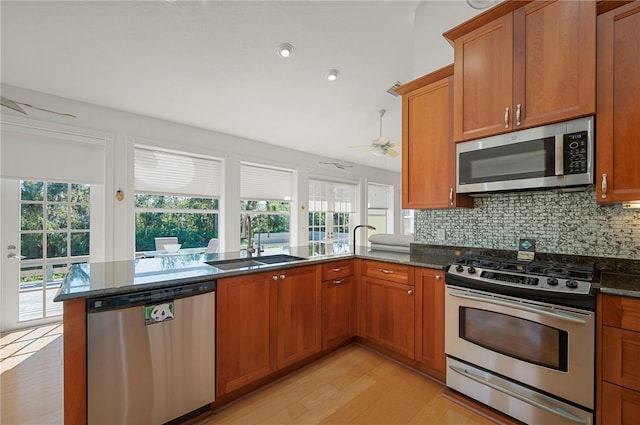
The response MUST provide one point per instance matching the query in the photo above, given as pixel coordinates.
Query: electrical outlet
(441, 235)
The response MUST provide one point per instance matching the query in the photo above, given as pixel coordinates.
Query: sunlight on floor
(16, 347)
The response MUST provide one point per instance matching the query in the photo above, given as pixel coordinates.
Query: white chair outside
(160, 242)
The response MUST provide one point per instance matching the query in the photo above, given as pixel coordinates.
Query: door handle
(506, 117)
(518, 107)
(13, 255)
(604, 185)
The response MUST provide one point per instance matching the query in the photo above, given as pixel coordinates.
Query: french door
(45, 230)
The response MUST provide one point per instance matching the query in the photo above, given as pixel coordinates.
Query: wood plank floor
(351, 386)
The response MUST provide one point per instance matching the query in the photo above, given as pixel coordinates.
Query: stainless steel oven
(513, 343)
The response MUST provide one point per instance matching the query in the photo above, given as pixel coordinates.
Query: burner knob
(489, 275)
(459, 268)
(471, 270)
(552, 281)
(572, 283)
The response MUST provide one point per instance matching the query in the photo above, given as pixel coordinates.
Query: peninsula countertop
(118, 277)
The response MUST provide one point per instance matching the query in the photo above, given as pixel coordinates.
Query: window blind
(378, 196)
(264, 183)
(162, 172)
(331, 197)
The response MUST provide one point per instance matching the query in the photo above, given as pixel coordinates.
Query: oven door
(544, 346)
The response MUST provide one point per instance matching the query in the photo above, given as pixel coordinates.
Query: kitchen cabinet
(338, 303)
(428, 151)
(387, 307)
(620, 369)
(429, 321)
(618, 91)
(265, 321)
(531, 66)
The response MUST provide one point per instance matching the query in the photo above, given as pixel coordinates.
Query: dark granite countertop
(627, 285)
(118, 277)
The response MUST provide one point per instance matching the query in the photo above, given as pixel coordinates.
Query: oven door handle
(491, 300)
(546, 407)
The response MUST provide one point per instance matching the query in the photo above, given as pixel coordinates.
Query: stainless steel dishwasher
(151, 355)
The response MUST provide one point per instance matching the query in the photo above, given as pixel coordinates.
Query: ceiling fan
(17, 106)
(382, 146)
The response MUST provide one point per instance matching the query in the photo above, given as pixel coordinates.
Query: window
(378, 214)
(54, 234)
(408, 222)
(265, 194)
(177, 195)
(330, 208)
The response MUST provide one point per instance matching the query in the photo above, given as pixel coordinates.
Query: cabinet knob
(506, 117)
(337, 270)
(438, 277)
(518, 107)
(385, 271)
(282, 276)
(410, 292)
(338, 281)
(604, 185)
(274, 277)
(451, 196)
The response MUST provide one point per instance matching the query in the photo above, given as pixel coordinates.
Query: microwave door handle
(508, 391)
(559, 155)
(517, 306)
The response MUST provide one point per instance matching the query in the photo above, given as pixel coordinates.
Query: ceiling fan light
(332, 75)
(379, 151)
(285, 50)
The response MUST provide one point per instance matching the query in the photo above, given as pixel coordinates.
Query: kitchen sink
(242, 263)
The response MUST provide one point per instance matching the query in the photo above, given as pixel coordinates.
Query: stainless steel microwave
(555, 155)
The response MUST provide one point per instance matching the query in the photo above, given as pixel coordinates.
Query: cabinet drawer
(620, 406)
(621, 312)
(620, 354)
(387, 271)
(337, 269)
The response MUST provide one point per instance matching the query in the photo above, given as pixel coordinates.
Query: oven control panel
(520, 280)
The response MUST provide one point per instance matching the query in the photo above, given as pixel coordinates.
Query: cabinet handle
(518, 106)
(604, 185)
(339, 281)
(385, 271)
(451, 196)
(438, 277)
(274, 277)
(338, 270)
(282, 276)
(410, 292)
(506, 117)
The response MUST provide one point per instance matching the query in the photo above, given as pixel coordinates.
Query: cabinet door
(483, 80)
(388, 315)
(618, 87)
(246, 330)
(620, 406)
(338, 311)
(430, 321)
(554, 65)
(428, 151)
(298, 314)
(620, 356)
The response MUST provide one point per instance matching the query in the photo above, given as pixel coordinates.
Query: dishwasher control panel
(111, 302)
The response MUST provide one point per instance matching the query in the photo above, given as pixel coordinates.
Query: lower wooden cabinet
(265, 321)
(338, 303)
(388, 315)
(429, 321)
(619, 342)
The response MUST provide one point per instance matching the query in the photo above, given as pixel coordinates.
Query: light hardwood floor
(351, 386)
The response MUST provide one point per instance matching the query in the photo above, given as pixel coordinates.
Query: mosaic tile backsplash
(560, 222)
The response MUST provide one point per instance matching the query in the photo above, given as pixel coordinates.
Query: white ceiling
(213, 64)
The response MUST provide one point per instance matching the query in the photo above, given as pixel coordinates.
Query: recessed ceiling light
(285, 50)
(331, 75)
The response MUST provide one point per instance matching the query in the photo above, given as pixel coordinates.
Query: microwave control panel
(575, 153)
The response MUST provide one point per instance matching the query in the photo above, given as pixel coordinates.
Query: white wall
(432, 19)
(128, 128)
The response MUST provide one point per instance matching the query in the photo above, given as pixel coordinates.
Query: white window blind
(264, 183)
(32, 153)
(378, 196)
(174, 173)
(331, 196)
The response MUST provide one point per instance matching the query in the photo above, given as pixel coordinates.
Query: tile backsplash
(560, 222)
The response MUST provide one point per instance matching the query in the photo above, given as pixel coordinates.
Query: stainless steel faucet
(354, 234)
(248, 231)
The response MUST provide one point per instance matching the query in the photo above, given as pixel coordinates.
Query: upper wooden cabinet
(428, 151)
(618, 91)
(531, 66)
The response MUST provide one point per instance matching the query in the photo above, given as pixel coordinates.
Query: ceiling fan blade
(395, 145)
(381, 141)
(392, 153)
